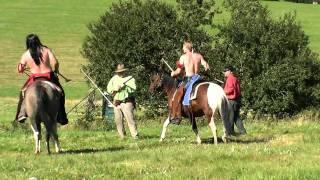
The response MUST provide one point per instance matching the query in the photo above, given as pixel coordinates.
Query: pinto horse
(209, 98)
(42, 105)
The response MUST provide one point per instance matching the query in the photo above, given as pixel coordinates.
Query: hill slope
(62, 26)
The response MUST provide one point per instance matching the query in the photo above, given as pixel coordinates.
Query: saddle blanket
(195, 90)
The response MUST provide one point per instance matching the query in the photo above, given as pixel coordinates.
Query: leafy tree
(279, 73)
(140, 33)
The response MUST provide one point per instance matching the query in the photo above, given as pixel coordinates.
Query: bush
(140, 33)
(277, 69)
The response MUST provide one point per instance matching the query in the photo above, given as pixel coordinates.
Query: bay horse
(42, 105)
(210, 97)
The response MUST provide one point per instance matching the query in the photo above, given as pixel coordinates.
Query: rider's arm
(53, 61)
(176, 72)
(204, 63)
(22, 65)
(179, 65)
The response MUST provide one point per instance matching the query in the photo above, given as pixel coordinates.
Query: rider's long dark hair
(34, 45)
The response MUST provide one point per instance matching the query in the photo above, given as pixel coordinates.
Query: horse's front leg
(164, 128)
(195, 128)
(37, 137)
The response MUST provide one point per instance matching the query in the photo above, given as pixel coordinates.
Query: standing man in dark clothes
(233, 92)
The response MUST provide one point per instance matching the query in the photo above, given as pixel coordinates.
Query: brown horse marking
(42, 103)
(210, 97)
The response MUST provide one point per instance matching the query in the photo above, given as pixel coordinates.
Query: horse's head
(174, 95)
(155, 81)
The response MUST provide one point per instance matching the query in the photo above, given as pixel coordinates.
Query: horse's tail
(217, 99)
(37, 99)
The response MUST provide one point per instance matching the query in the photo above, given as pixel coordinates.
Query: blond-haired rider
(190, 62)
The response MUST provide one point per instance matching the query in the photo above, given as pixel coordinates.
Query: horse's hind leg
(55, 138)
(47, 141)
(52, 132)
(49, 129)
(213, 127)
(195, 128)
(37, 136)
(164, 128)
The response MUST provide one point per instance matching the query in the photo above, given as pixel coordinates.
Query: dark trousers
(62, 115)
(235, 116)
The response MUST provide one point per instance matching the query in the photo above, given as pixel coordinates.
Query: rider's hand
(207, 68)
(21, 68)
(172, 73)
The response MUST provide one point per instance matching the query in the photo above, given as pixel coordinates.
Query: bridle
(161, 80)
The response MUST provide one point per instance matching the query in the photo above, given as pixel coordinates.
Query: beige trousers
(125, 110)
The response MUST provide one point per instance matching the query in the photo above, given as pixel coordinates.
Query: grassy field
(271, 150)
(308, 16)
(61, 25)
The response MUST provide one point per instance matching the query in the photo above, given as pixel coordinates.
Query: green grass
(61, 25)
(271, 150)
(308, 15)
(283, 150)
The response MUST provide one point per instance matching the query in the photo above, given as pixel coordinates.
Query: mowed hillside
(62, 25)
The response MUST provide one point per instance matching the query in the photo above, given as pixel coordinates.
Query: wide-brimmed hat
(120, 68)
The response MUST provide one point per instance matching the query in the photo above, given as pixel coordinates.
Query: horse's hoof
(175, 121)
(225, 139)
(161, 140)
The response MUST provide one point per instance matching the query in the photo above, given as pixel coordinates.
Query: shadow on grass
(92, 150)
(145, 136)
(240, 140)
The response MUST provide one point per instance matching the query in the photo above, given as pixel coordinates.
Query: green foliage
(140, 33)
(277, 69)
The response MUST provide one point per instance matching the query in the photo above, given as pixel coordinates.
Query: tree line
(279, 73)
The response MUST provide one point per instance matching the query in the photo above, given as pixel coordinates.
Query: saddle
(45, 77)
(195, 87)
(194, 90)
(53, 85)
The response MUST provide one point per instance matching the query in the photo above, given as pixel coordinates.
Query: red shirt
(232, 87)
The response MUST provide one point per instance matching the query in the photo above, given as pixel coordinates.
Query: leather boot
(21, 115)
(62, 118)
(62, 115)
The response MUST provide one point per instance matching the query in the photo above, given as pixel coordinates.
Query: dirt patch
(288, 139)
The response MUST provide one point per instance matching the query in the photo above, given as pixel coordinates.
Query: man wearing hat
(233, 92)
(122, 88)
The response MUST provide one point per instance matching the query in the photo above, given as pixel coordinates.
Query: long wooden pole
(94, 84)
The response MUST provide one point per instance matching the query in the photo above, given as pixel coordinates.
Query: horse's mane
(168, 81)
